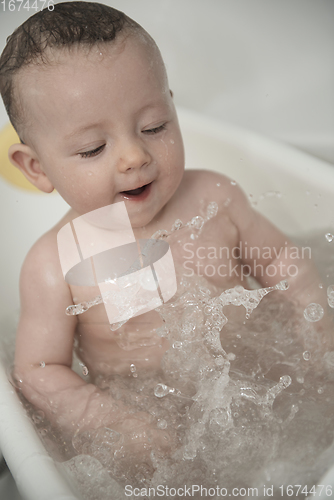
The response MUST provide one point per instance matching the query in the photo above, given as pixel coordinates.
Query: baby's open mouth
(136, 192)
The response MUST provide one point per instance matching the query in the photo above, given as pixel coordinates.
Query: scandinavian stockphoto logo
(99, 249)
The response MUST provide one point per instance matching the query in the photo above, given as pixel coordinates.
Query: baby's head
(86, 89)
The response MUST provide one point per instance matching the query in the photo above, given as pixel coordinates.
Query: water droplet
(162, 331)
(307, 355)
(85, 371)
(189, 453)
(38, 416)
(162, 424)
(218, 418)
(177, 225)
(177, 344)
(233, 183)
(330, 296)
(197, 222)
(329, 360)
(320, 390)
(285, 380)
(132, 368)
(321, 285)
(160, 234)
(282, 285)
(231, 356)
(220, 361)
(218, 184)
(300, 380)
(116, 326)
(212, 210)
(329, 237)
(313, 312)
(161, 390)
(42, 364)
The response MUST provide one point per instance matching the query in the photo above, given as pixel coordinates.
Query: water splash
(123, 300)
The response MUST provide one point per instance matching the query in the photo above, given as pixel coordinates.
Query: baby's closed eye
(93, 152)
(155, 130)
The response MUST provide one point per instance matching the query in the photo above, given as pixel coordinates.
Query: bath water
(245, 402)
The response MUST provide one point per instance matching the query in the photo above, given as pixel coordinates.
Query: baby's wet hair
(70, 23)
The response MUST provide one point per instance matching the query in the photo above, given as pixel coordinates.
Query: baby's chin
(139, 222)
(144, 220)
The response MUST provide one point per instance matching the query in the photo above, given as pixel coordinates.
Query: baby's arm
(272, 248)
(43, 356)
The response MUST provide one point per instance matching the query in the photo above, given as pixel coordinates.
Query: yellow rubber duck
(8, 136)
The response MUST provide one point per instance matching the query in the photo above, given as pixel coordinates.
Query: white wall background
(267, 65)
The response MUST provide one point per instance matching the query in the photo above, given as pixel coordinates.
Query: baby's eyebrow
(80, 130)
(151, 105)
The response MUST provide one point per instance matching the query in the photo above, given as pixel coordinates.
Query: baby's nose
(133, 153)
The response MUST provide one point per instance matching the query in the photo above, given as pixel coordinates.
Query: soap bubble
(307, 355)
(313, 312)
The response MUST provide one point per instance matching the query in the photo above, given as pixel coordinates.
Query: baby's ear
(25, 159)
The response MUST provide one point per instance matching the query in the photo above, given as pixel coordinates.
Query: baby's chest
(210, 252)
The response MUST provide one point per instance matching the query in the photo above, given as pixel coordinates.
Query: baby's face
(103, 126)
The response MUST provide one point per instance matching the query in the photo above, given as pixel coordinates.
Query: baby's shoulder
(41, 266)
(210, 184)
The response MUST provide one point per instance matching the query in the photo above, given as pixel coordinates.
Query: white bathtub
(260, 166)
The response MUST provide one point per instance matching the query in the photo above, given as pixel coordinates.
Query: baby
(86, 89)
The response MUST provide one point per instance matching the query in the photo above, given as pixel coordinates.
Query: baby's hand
(138, 430)
(140, 435)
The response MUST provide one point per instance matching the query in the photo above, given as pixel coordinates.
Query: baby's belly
(135, 347)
